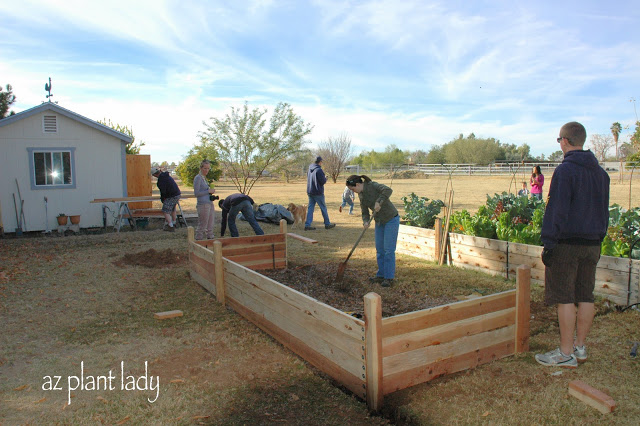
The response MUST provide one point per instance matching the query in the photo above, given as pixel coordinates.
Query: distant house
(63, 156)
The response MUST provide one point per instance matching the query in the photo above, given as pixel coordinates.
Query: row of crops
(509, 217)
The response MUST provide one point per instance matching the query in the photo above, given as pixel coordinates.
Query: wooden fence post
(438, 228)
(283, 230)
(373, 350)
(523, 308)
(190, 234)
(219, 271)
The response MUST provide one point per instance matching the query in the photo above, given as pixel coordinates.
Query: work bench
(125, 213)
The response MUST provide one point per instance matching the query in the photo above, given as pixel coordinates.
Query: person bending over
(230, 207)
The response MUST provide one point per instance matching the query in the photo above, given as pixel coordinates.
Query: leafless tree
(600, 145)
(335, 153)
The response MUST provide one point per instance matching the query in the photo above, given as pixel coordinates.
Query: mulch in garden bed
(318, 281)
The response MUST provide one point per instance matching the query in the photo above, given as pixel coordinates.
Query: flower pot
(62, 220)
(75, 219)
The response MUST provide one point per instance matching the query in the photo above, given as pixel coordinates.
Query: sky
(410, 73)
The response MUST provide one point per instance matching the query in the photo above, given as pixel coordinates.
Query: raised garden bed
(372, 356)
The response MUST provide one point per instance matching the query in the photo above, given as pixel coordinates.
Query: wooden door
(139, 179)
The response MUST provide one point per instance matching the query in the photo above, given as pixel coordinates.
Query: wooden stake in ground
(445, 237)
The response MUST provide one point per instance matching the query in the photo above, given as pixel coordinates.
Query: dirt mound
(152, 259)
(406, 174)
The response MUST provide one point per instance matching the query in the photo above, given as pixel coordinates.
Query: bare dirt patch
(152, 258)
(318, 281)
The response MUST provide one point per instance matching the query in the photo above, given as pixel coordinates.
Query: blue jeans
(247, 211)
(538, 196)
(386, 239)
(319, 199)
(346, 201)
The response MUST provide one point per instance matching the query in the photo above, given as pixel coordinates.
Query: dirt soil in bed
(318, 281)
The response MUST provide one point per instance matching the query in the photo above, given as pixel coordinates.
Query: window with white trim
(52, 168)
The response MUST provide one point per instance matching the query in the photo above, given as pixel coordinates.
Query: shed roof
(67, 113)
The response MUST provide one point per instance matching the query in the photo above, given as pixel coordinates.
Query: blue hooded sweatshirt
(578, 207)
(315, 180)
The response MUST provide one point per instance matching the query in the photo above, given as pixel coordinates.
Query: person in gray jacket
(375, 196)
(204, 205)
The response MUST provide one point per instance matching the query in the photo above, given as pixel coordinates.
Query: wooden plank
(478, 242)
(414, 359)
(260, 265)
(424, 373)
(348, 380)
(418, 240)
(420, 255)
(313, 326)
(204, 282)
(337, 319)
(416, 243)
(268, 310)
(414, 230)
(151, 198)
(167, 315)
(263, 256)
(147, 212)
(433, 336)
(414, 321)
(373, 339)
(301, 238)
(258, 248)
(617, 263)
(592, 396)
(523, 308)
(201, 251)
(206, 266)
(251, 240)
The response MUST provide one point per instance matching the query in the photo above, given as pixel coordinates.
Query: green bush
(421, 212)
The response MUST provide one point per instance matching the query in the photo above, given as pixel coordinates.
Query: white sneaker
(580, 352)
(556, 358)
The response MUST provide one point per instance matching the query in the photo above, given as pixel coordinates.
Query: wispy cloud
(409, 73)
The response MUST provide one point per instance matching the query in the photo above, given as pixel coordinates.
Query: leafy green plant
(624, 230)
(419, 211)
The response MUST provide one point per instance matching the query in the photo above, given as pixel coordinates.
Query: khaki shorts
(572, 275)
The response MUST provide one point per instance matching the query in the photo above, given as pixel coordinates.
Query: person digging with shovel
(375, 196)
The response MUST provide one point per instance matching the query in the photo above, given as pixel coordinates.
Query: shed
(49, 151)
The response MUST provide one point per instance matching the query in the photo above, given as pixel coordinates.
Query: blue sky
(409, 73)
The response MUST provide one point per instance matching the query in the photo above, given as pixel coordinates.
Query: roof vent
(50, 124)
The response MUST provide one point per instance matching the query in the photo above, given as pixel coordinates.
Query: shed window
(50, 124)
(52, 168)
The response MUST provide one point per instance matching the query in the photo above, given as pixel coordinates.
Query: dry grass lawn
(67, 301)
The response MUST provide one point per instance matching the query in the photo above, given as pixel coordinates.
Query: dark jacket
(315, 180)
(230, 201)
(578, 207)
(167, 186)
(371, 193)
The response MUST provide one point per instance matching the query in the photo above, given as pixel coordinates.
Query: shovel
(343, 265)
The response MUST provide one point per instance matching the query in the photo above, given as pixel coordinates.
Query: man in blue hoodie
(315, 190)
(574, 225)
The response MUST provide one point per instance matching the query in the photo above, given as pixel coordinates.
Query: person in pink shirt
(536, 181)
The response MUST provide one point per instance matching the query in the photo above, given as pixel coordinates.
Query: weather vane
(47, 87)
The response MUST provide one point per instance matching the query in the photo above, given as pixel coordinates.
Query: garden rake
(343, 265)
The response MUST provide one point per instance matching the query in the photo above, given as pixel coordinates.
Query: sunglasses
(563, 137)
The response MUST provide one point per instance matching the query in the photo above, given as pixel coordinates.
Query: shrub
(419, 211)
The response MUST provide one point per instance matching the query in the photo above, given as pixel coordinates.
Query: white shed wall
(99, 171)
